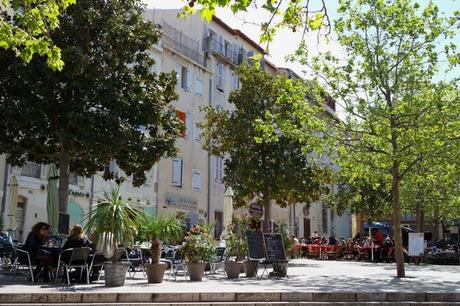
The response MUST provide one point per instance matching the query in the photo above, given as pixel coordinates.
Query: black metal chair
(176, 264)
(72, 259)
(22, 261)
(94, 264)
(219, 259)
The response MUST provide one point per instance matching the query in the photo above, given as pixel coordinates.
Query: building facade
(204, 56)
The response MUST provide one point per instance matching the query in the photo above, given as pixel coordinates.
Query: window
(197, 132)
(235, 54)
(228, 49)
(234, 81)
(189, 80)
(219, 108)
(111, 170)
(221, 44)
(73, 180)
(196, 180)
(184, 78)
(177, 166)
(183, 118)
(198, 87)
(219, 170)
(188, 125)
(220, 69)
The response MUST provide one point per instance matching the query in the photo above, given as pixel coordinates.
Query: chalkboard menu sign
(63, 227)
(275, 247)
(255, 245)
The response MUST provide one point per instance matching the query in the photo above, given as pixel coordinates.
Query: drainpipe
(91, 194)
(209, 160)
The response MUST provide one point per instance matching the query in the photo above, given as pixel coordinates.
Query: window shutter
(197, 132)
(179, 74)
(198, 87)
(81, 181)
(196, 180)
(177, 172)
(188, 125)
(189, 81)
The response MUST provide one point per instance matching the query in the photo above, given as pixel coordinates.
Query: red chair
(348, 252)
(362, 253)
(330, 252)
(312, 251)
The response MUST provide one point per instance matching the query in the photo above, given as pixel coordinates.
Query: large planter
(115, 274)
(250, 268)
(195, 270)
(155, 272)
(233, 269)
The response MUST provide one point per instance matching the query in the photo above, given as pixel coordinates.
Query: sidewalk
(304, 276)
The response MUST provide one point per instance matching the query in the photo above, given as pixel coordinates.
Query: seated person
(35, 240)
(77, 238)
(341, 242)
(332, 240)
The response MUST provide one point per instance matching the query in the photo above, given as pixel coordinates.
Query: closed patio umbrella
(12, 201)
(52, 200)
(228, 210)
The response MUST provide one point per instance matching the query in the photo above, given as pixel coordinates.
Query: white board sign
(416, 244)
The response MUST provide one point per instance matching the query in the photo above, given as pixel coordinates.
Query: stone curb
(229, 297)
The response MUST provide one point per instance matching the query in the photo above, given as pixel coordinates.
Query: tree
(303, 15)
(260, 160)
(25, 27)
(106, 104)
(397, 115)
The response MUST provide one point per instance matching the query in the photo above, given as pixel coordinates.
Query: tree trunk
(155, 251)
(64, 161)
(395, 191)
(267, 212)
(418, 214)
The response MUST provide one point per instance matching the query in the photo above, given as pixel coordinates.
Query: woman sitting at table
(35, 240)
(77, 238)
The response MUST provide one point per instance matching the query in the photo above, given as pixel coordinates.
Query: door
(306, 227)
(218, 228)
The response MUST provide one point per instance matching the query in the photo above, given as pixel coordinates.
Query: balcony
(31, 170)
(224, 51)
(182, 44)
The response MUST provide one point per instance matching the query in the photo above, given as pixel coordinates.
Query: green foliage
(106, 104)
(25, 27)
(397, 117)
(236, 243)
(164, 228)
(266, 154)
(283, 230)
(115, 220)
(296, 15)
(199, 245)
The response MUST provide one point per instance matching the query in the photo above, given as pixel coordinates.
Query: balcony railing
(181, 43)
(224, 50)
(31, 170)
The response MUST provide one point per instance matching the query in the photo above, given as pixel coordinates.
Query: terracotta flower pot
(155, 272)
(250, 268)
(195, 270)
(233, 269)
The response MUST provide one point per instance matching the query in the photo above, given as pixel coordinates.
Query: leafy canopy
(262, 156)
(25, 28)
(106, 104)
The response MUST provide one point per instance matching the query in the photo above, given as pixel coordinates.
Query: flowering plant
(199, 245)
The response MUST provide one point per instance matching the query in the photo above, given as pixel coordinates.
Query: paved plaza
(304, 275)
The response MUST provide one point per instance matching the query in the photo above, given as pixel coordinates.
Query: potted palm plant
(198, 250)
(236, 251)
(116, 222)
(158, 229)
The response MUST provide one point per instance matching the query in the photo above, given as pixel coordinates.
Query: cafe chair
(176, 264)
(72, 259)
(219, 259)
(7, 255)
(23, 262)
(95, 264)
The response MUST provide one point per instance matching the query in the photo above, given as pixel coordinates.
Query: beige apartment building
(204, 56)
